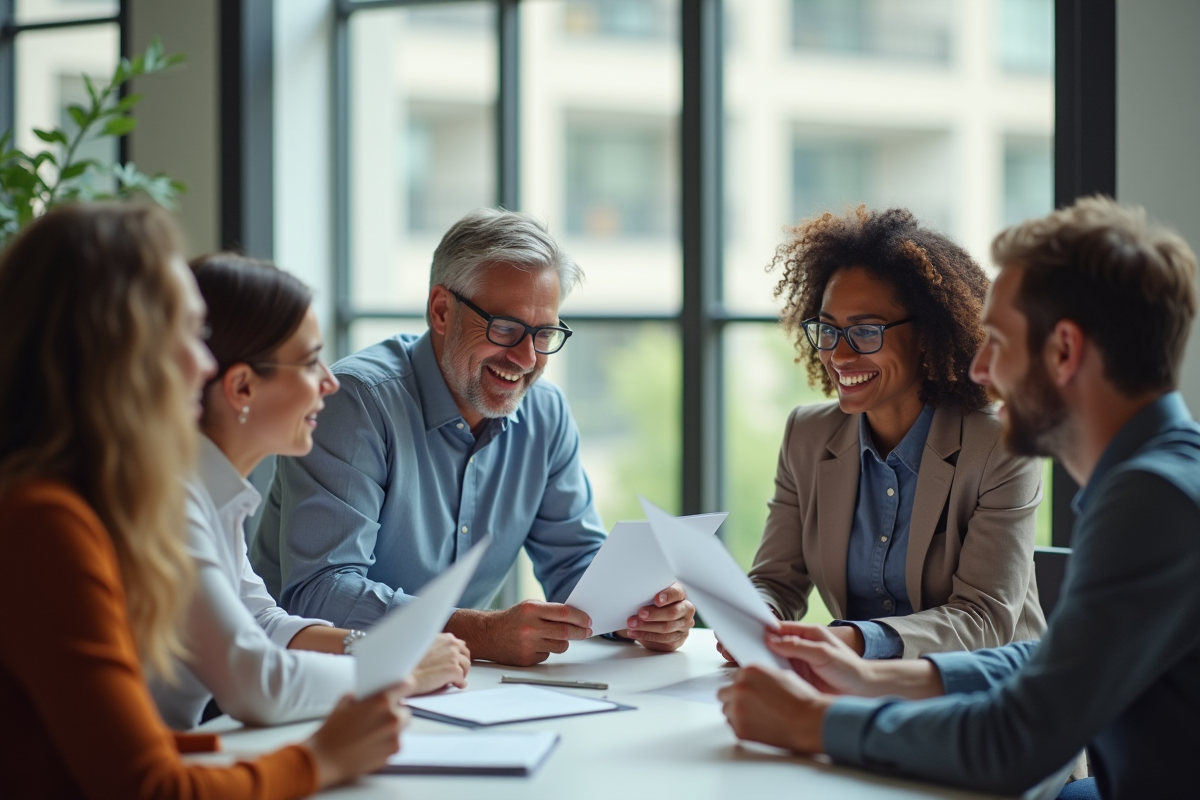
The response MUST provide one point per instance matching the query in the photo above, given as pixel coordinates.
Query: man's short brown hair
(1130, 286)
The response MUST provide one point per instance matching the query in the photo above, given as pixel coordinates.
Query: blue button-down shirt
(397, 487)
(878, 552)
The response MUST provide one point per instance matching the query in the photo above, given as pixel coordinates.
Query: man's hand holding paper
(664, 625)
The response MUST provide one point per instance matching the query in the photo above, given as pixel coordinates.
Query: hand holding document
(629, 570)
(717, 586)
(396, 645)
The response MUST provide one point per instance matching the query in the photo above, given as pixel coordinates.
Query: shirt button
(464, 528)
(883, 538)
(878, 590)
(471, 460)
(890, 491)
(887, 604)
(460, 427)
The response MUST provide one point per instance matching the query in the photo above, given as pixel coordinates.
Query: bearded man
(438, 440)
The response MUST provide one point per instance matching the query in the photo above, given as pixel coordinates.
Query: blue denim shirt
(1118, 669)
(397, 487)
(878, 552)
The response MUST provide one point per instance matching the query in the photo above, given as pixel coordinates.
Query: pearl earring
(244, 415)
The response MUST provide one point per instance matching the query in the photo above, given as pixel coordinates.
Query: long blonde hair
(92, 395)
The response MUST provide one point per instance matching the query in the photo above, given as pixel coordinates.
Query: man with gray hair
(435, 441)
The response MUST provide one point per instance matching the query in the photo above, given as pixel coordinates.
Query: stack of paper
(518, 753)
(628, 571)
(506, 704)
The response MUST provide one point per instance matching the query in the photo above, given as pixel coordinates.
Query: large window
(571, 109)
(50, 45)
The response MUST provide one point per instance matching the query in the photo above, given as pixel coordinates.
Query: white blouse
(236, 634)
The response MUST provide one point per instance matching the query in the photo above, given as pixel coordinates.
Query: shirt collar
(1164, 413)
(909, 451)
(222, 480)
(437, 404)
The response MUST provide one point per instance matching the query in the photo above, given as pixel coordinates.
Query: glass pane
(27, 11)
(1025, 35)
(422, 141)
(50, 66)
(366, 332)
(965, 146)
(623, 384)
(762, 385)
(599, 148)
(912, 30)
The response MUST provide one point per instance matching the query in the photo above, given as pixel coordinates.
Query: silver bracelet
(351, 639)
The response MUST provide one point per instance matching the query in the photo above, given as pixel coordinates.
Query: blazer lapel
(837, 492)
(933, 487)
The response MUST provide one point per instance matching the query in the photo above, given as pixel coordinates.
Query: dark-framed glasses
(509, 332)
(863, 339)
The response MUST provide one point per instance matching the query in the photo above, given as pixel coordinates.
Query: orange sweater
(76, 719)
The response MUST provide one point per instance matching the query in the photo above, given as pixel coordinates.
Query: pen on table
(553, 682)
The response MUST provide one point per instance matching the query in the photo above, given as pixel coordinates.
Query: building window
(618, 177)
(1028, 178)
(633, 19)
(1025, 37)
(909, 30)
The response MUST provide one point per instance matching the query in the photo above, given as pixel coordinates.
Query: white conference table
(668, 747)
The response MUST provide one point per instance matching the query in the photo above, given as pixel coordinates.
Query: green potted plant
(33, 183)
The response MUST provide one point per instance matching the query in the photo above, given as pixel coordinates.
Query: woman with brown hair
(896, 502)
(263, 400)
(101, 368)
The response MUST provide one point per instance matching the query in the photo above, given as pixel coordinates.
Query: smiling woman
(895, 502)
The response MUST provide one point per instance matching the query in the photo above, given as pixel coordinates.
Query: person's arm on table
(84, 677)
(1127, 612)
(520, 635)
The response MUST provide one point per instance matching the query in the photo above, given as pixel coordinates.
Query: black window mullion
(343, 305)
(508, 106)
(700, 230)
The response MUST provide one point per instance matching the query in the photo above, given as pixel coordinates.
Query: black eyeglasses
(509, 332)
(863, 339)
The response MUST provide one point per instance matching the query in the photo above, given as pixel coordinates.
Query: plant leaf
(78, 114)
(51, 136)
(127, 102)
(91, 90)
(75, 170)
(118, 126)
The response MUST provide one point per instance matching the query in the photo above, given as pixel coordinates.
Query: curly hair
(936, 280)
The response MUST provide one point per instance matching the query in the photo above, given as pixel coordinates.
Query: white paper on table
(396, 644)
(699, 690)
(508, 704)
(515, 753)
(719, 589)
(628, 570)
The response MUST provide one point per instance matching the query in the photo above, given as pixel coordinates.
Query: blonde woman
(101, 367)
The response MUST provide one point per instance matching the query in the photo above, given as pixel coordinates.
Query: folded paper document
(506, 704)
(394, 646)
(511, 753)
(721, 592)
(628, 571)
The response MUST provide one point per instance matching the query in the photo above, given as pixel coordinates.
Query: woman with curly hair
(896, 502)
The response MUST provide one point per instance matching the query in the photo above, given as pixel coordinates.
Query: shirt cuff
(285, 629)
(845, 727)
(960, 672)
(879, 640)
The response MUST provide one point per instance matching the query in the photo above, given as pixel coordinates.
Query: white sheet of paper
(627, 571)
(508, 704)
(509, 753)
(721, 592)
(699, 690)
(396, 644)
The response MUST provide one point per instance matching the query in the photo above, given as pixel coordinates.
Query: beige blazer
(969, 569)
